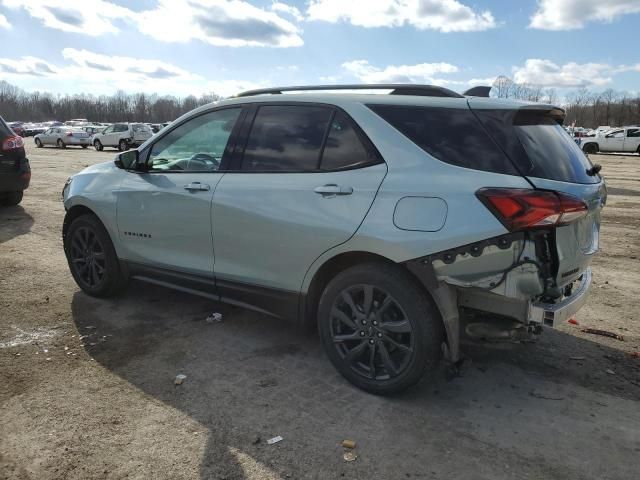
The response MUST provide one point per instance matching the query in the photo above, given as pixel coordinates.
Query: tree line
(584, 108)
(16, 104)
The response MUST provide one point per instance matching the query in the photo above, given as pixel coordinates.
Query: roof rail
(396, 89)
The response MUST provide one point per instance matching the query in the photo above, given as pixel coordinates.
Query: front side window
(197, 145)
(616, 134)
(344, 148)
(108, 130)
(286, 138)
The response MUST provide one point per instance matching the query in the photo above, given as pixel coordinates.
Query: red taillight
(12, 143)
(69, 134)
(520, 209)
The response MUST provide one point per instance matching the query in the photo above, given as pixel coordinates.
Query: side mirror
(127, 160)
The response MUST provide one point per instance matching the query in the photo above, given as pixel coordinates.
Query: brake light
(69, 134)
(12, 143)
(521, 209)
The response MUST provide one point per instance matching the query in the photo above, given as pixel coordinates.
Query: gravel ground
(87, 386)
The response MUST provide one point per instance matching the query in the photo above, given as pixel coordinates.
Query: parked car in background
(63, 137)
(76, 122)
(17, 128)
(623, 140)
(15, 173)
(122, 136)
(93, 129)
(392, 222)
(31, 129)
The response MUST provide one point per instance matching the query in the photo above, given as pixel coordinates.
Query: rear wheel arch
(337, 264)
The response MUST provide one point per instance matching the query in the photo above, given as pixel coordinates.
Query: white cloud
(90, 17)
(231, 23)
(98, 74)
(572, 14)
(420, 73)
(287, 9)
(4, 23)
(31, 66)
(548, 74)
(441, 15)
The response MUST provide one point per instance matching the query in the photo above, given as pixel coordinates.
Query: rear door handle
(197, 186)
(333, 189)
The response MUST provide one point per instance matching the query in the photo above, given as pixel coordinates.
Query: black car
(15, 172)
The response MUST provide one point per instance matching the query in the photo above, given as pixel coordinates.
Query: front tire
(590, 148)
(38, 143)
(98, 145)
(61, 144)
(92, 259)
(379, 329)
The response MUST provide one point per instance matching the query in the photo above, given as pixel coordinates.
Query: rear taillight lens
(69, 134)
(521, 209)
(12, 143)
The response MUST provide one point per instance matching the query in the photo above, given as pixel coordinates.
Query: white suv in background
(122, 136)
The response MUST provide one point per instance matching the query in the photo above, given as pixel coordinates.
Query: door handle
(197, 186)
(333, 189)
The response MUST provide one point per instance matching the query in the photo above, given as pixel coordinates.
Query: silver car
(394, 222)
(63, 137)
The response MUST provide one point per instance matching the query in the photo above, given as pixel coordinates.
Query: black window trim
(238, 154)
(228, 151)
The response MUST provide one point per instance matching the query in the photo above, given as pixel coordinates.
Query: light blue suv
(395, 222)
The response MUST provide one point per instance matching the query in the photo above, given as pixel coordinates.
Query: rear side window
(538, 145)
(286, 138)
(344, 147)
(633, 132)
(451, 135)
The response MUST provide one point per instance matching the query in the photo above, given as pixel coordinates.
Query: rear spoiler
(479, 91)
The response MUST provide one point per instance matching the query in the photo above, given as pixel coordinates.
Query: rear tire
(92, 259)
(391, 338)
(123, 145)
(61, 144)
(38, 143)
(98, 146)
(12, 198)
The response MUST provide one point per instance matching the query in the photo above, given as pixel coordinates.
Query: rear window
(140, 127)
(451, 135)
(538, 145)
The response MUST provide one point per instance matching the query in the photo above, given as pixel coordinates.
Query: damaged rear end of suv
(505, 206)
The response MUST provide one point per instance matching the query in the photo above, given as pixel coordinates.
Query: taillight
(12, 143)
(521, 209)
(69, 134)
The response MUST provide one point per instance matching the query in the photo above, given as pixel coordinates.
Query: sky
(183, 47)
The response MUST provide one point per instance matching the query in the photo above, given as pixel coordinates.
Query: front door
(303, 185)
(164, 213)
(613, 142)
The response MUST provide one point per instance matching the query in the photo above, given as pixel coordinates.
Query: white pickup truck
(626, 139)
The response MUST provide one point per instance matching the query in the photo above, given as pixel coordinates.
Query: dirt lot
(87, 385)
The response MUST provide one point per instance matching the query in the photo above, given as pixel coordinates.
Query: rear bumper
(78, 141)
(553, 314)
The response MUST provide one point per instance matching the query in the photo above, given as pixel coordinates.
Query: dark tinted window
(286, 138)
(538, 145)
(344, 148)
(449, 134)
(633, 132)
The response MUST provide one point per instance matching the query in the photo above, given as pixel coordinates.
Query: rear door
(301, 184)
(164, 214)
(549, 158)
